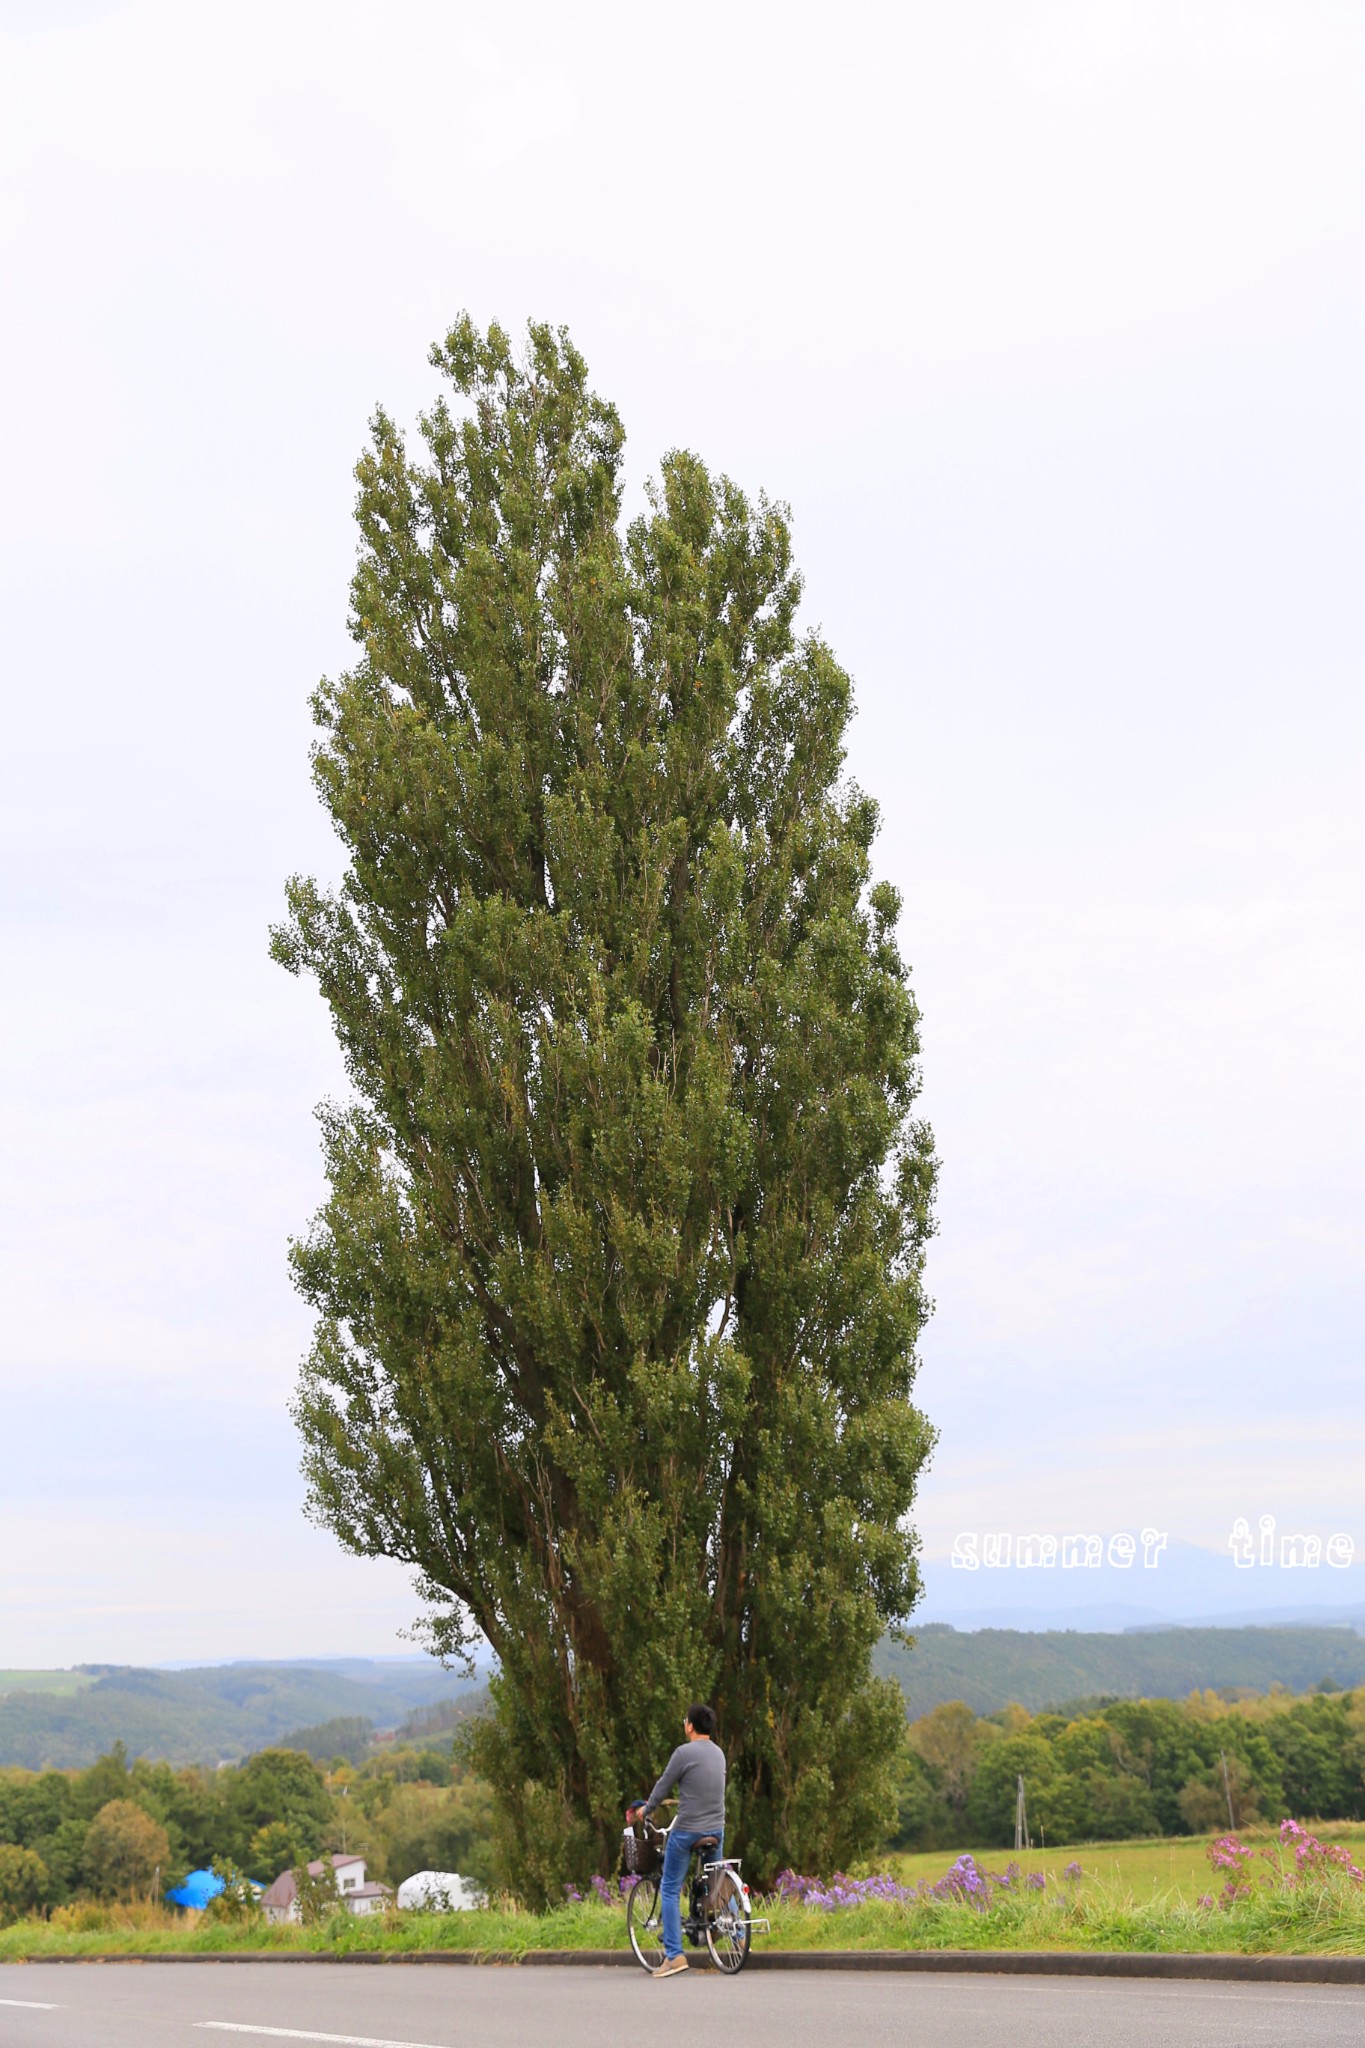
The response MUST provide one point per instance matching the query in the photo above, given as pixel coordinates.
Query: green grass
(64, 1683)
(1175, 1867)
(1139, 1896)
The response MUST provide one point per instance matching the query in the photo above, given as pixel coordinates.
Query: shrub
(237, 1902)
(24, 1883)
(318, 1894)
(123, 1851)
(273, 1848)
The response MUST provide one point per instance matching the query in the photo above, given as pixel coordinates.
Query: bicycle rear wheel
(645, 1922)
(727, 1924)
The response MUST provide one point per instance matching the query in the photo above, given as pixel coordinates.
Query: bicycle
(719, 1911)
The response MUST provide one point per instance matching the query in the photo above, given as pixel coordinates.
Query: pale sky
(1047, 322)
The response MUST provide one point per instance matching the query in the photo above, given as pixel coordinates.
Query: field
(65, 1684)
(1176, 1868)
(1142, 1896)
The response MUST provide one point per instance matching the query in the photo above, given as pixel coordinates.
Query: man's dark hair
(703, 1719)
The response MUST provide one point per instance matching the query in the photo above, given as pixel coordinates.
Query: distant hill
(350, 1736)
(990, 1667)
(213, 1714)
(222, 1712)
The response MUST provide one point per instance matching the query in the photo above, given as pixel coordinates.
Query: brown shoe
(671, 1967)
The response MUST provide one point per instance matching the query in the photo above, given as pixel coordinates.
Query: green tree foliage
(283, 1787)
(50, 1812)
(1353, 1744)
(319, 1895)
(108, 1778)
(237, 1902)
(348, 1738)
(619, 1282)
(124, 1850)
(1312, 1745)
(406, 1809)
(1132, 1768)
(24, 1883)
(63, 1852)
(441, 1828)
(1223, 1795)
(273, 1848)
(949, 1740)
(33, 1804)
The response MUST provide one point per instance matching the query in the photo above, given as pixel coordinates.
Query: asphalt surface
(163, 2005)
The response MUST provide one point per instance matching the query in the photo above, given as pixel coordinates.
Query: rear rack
(732, 1863)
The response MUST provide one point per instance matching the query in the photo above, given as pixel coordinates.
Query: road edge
(1238, 1969)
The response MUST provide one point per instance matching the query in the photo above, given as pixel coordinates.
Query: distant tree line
(127, 1830)
(1110, 1770)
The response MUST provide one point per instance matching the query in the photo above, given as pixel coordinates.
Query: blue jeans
(677, 1856)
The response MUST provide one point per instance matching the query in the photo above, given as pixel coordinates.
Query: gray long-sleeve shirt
(697, 1769)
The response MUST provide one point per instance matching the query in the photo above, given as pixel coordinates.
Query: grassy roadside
(1094, 1915)
(1110, 1924)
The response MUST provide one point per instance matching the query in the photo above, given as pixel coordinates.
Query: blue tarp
(199, 1887)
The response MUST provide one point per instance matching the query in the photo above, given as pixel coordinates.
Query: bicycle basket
(640, 1854)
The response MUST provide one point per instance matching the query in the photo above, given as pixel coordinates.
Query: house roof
(284, 1890)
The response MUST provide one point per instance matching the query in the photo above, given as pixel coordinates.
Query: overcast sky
(1047, 323)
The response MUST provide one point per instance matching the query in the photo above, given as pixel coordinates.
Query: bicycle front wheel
(727, 1924)
(645, 1922)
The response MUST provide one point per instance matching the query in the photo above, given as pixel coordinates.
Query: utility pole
(1227, 1788)
(1021, 1835)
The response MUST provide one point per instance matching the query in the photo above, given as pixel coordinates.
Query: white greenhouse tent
(438, 1891)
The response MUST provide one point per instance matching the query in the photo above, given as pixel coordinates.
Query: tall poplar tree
(618, 1284)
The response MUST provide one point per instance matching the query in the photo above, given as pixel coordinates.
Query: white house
(281, 1901)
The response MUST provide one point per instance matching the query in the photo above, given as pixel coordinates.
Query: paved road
(247, 2005)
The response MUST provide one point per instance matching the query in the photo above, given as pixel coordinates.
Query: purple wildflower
(1313, 1858)
(827, 1895)
(965, 1883)
(1315, 1864)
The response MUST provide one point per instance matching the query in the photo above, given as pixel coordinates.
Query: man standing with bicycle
(697, 1770)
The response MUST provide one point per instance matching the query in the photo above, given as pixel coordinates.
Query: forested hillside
(991, 1667)
(226, 1711)
(219, 1713)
